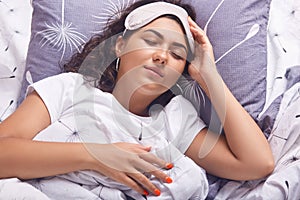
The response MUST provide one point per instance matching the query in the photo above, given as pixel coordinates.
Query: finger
(123, 178)
(162, 176)
(145, 182)
(151, 158)
(193, 24)
(128, 181)
(199, 36)
(147, 167)
(131, 147)
(198, 32)
(139, 149)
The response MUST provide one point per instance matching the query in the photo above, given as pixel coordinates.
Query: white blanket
(284, 182)
(283, 32)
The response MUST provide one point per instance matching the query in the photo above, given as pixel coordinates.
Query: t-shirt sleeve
(184, 123)
(56, 92)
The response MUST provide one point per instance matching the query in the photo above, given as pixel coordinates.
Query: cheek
(132, 59)
(175, 72)
(134, 47)
(129, 62)
(176, 67)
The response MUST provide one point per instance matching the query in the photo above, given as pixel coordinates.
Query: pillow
(238, 57)
(58, 28)
(238, 32)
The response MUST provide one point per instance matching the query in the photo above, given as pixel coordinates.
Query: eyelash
(150, 42)
(153, 43)
(176, 56)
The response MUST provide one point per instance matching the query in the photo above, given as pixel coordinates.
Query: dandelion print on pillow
(59, 28)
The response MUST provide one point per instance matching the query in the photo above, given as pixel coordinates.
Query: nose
(160, 56)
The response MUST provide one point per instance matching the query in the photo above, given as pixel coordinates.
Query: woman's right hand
(203, 69)
(126, 163)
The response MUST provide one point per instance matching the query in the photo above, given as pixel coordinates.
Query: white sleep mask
(143, 15)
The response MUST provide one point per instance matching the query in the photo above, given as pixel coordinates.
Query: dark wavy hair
(98, 58)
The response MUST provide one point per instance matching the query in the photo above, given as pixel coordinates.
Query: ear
(120, 45)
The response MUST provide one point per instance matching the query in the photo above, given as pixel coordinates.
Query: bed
(258, 44)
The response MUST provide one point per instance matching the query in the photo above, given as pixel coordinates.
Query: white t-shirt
(80, 112)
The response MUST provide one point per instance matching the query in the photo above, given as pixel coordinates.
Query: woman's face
(153, 57)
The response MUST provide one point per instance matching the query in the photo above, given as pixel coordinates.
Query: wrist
(87, 160)
(209, 80)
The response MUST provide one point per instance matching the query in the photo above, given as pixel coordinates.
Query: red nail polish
(157, 192)
(146, 193)
(170, 166)
(169, 180)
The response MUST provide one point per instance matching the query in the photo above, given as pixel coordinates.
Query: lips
(156, 70)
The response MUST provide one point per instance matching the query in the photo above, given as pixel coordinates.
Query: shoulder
(59, 79)
(65, 77)
(63, 81)
(57, 87)
(180, 104)
(183, 122)
(181, 110)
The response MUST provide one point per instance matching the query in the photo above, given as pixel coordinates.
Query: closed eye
(151, 42)
(176, 55)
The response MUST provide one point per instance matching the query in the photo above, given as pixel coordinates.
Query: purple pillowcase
(238, 32)
(59, 27)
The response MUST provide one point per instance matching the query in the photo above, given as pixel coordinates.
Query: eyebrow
(158, 34)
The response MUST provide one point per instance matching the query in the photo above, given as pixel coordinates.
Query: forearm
(27, 159)
(245, 139)
(244, 136)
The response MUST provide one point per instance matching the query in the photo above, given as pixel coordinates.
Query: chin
(153, 89)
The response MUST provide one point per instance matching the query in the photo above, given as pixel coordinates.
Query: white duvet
(283, 53)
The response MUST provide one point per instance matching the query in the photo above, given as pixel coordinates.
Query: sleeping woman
(115, 126)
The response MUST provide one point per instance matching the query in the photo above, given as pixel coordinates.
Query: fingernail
(170, 166)
(169, 180)
(146, 193)
(157, 192)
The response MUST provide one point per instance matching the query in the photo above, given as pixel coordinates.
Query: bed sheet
(283, 41)
(15, 21)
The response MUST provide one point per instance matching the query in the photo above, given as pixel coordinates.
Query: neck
(136, 101)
